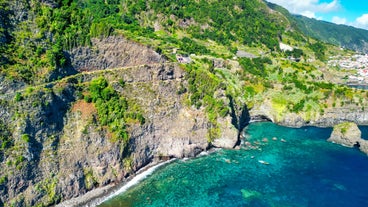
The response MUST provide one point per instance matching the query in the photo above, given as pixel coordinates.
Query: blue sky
(349, 12)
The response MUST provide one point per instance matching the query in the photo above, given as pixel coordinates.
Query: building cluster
(356, 62)
(353, 62)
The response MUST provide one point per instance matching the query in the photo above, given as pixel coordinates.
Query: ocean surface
(279, 166)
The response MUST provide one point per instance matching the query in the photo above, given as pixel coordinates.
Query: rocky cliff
(55, 147)
(329, 118)
(112, 52)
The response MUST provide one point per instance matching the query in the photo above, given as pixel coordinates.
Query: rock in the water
(349, 135)
(363, 146)
(250, 194)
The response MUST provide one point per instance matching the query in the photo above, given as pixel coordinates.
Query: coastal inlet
(280, 167)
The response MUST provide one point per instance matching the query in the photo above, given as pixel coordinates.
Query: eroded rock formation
(349, 135)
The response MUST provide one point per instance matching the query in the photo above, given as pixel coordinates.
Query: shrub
(112, 109)
(3, 179)
(25, 138)
(18, 97)
(122, 83)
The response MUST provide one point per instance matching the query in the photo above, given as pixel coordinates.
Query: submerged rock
(250, 194)
(348, 134)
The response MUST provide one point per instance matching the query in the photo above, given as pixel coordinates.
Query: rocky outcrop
(9, 86)
(349, 135)
(112, 52)
(229, 137)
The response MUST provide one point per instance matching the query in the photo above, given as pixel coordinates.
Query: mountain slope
(341, 35)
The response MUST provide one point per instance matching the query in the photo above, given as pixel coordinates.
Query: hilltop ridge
(340, 35)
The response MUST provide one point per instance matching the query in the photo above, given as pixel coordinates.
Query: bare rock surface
(112, 52)
(229, 135)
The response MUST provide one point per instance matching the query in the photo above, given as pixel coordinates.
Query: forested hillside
(36, 36)
(341, 35)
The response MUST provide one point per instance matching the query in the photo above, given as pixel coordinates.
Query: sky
(348, 12)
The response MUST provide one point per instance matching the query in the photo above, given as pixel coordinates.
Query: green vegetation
(340, 35)
(48, 187)
(89, 180)
(202, 86)
(5, 139)
(112, 109)
(3, 179)
(255, 66)
(296, 53)
(319, 50)
(33, 54)
(25, 138)
(18, 97)
(344, 127)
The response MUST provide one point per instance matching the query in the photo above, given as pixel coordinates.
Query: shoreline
(101, 194)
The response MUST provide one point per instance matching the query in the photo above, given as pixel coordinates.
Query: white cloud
(339, 20)
(312, 8)
(308, 8)
(362, 21)
(309, 14)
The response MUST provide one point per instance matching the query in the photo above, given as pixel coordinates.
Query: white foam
(204, 153)
(137, 179)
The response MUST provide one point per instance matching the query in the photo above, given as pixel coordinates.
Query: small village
(358, 62)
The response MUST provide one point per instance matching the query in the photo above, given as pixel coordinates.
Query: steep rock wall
(61, 150)
(112, 52)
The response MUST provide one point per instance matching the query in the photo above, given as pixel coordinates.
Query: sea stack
(348, 134)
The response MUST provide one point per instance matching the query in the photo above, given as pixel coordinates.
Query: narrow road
(44, 85)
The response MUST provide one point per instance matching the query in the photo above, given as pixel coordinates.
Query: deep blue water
(304, 170)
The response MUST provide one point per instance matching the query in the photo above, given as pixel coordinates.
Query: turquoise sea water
(301, 170)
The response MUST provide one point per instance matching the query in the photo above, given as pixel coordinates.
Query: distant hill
(341, 35)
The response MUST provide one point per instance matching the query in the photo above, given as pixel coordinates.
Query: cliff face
(112, 52)
(329, 118)
(56, 147)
